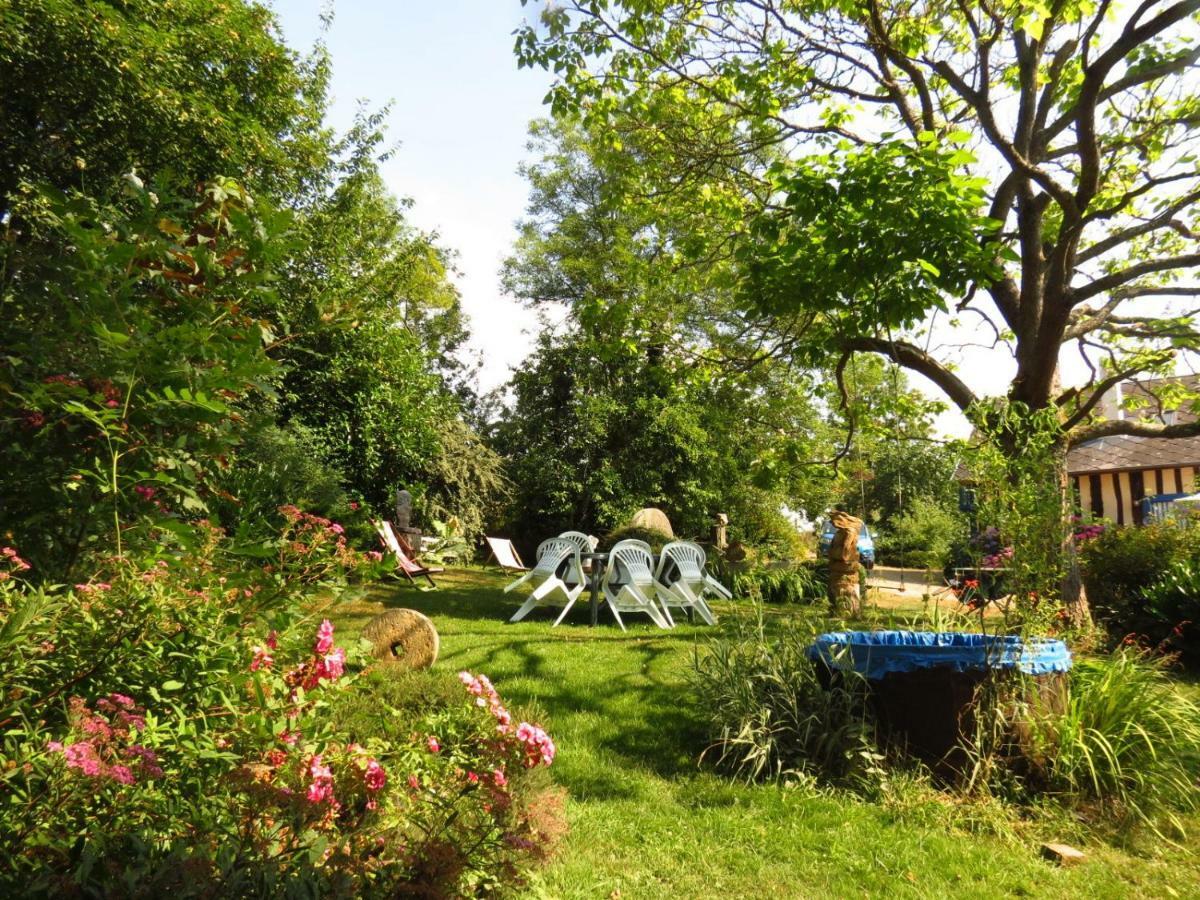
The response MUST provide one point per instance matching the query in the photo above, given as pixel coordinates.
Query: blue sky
(460, 110)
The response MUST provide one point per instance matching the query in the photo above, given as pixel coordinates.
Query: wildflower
(334, 664)
(472, 778)
(321, 788)
(375, 777)
(433, 745)
(324, 637)
(337, 529)
(413, 782)
(273, 639)
(121, 774)
(146, 493)
(354, 505)
(374, 555)
(499, 778)
(262, 659)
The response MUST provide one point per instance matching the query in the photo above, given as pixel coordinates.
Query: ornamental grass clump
(770, 712)
(1128, 745)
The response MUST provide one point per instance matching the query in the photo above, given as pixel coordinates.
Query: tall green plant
(130, 417)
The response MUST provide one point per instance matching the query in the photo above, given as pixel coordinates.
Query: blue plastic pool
(875, 654)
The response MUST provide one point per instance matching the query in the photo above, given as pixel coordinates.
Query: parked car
(866, 544)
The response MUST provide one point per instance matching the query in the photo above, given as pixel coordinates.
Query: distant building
(1113, 475)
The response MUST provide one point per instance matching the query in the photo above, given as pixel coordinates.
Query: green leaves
(870, 239)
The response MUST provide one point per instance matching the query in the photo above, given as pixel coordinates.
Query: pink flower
(121, 774)
(335, 664)
(374, 777)
(374, 555)
(337, 529)
(289, 737)
(262, 659)
(414, 783)
(498, 777)
(321, 788)
(273, 639)
(472, 778)
(354, 505)
(433, 744)
(324, 637)
(146, 493)
(82, 756)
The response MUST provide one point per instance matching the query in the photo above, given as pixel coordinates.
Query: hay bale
(654, 519)
(404, 636)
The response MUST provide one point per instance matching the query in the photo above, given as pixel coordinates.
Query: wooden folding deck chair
(409, 569)
(505, 555)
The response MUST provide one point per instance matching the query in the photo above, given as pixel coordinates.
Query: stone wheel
(404, 636)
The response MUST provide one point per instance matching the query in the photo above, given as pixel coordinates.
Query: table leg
(595, 588)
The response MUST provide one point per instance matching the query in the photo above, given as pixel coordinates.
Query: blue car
(866, 545)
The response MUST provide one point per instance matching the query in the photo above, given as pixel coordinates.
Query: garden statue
(719, 531)
(403, 509)
(843, 563)
(403, 525)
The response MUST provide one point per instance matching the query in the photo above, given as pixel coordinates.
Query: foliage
(1121, 564)
(922, 535)
(136, 413)
(447, 545)
(1174, 604)
(770, 713)
(163, 696)
(96, 89)
(632, 404)
(774, 584)
(1018, 471)
(1128, 741)
(652, 536)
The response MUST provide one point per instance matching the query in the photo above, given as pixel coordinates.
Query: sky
(460, 110)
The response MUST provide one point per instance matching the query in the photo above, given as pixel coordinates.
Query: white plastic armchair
(629, 584)
(681, 570)
(585, 542)
(557, 571)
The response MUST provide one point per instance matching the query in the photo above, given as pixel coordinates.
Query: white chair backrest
(632, 559)
(688, 557)
(552, 552)
(585, 543)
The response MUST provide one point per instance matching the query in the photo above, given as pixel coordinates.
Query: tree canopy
(1028, 169)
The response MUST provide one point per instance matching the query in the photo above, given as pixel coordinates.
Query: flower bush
(171, 723)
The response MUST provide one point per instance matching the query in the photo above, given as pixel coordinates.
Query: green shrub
(774, 584)
(1129, 741)
(922, 536)
(771, 715)
(652, 536)
(1121, 562)
(1173, 605)
(168, 727)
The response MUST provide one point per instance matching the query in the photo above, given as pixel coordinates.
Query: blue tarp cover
(876, 653)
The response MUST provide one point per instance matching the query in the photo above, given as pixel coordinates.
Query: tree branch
(1134, 428)
(913, 357)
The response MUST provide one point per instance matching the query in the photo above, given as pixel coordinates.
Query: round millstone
(404, 636)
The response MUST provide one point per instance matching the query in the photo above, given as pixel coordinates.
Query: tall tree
(1028, 168)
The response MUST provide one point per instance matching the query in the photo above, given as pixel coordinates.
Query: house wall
(1115, 495)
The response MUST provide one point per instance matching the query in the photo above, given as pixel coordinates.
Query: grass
(647, 821)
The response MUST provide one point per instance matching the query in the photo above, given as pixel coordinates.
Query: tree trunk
(1074, 593)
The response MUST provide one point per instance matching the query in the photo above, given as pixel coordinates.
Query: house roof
(1124, 451)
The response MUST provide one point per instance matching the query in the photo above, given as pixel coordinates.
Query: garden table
(595, 572)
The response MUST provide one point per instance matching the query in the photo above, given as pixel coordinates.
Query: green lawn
(647, 821)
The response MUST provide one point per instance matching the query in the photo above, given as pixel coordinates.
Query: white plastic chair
(557, 569)
(629, 584)
(681, 570)
(585, 542)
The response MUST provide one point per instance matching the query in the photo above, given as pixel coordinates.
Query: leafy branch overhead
(1031, 167)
